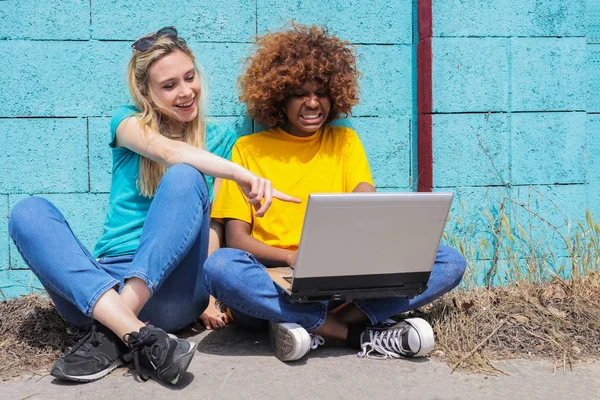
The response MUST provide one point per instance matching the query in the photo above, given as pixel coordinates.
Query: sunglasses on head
(146, 42)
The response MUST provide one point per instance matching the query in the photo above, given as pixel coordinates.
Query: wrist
(291, 258)
(239, 174)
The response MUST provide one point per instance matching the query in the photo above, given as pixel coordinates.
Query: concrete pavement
(238, 364)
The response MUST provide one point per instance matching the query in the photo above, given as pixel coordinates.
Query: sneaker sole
(58, 373)
(184, 361)
(425, 333)
(283, 333)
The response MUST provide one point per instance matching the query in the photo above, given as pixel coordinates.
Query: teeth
(186, 105)
(313, 116)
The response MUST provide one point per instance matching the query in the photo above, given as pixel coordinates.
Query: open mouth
(310, 119)
(188, 105)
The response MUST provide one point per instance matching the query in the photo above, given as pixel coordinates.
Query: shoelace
(136, 344)
(90, 338)
(316, 341)
(386, 344)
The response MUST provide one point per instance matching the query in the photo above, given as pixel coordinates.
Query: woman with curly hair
(296, 83)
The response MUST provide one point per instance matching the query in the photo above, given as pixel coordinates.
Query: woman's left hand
(213, 319)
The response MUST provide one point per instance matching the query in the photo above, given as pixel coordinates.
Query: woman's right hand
(259, 191)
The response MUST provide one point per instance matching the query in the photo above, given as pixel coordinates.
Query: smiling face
(306, 110)
(175, 86)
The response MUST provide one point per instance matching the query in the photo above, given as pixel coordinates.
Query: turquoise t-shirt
(128, 208)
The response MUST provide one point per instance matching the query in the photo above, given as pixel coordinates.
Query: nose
(186, 91)
(312, 101)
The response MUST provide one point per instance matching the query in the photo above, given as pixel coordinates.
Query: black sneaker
(412, 337)
(166, 355)
(97, 353)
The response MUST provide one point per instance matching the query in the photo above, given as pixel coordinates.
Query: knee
(26, 214)
(183, 179)
(219, 268)
(454, 264)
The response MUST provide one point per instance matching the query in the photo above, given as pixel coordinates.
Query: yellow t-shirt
(330, 161)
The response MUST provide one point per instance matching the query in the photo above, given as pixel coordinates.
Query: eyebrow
(170, 79)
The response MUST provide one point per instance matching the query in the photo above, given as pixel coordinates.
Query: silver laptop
(365, 245)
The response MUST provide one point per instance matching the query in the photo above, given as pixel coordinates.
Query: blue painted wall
(516, 89)
(62, 74)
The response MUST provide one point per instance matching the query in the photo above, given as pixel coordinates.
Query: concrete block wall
(516, 93)
(62, 74)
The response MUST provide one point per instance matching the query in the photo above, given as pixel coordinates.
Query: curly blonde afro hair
(286, 60)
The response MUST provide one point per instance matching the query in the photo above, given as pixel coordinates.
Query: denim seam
(142, 276)
(181, 247)
(58, 291)
(361, 306)
(99, 292)
(53, 287)
(151, 285)
(113, 282)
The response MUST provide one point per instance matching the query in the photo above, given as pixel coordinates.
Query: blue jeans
(170, 257)
(237, 279)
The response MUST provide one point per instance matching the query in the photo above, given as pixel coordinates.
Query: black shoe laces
(88, 341)
(136, 343)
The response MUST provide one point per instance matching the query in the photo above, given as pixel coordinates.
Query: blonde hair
(149, 117)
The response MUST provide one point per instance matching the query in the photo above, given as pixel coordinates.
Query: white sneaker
(412, 337)
(291, 341)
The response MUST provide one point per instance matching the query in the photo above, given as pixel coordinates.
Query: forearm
(268, 255)
(216, 236)
(151, 144)
(202, 160)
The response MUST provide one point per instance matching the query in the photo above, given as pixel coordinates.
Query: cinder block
(592, 151)
(43, 155)
(470, 75)
(593, 21)
(501, 272)
(548, 148)
(473, 223)
(89, 77)
(85, 213)
(509, 18)
(222, 63)
(518, 269)
(52, 19)
(544, 214)
(200, 20)
(100, 154)
(548, 74)
(241, 125)
(18, 283)
(470, 149)
(366, 21)
(593, 78)
(386, 86)
(62, 78)
(592, 195)
(387, 144)
(4, 232)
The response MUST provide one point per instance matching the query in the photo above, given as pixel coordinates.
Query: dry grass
(32, 335)
(558, 321)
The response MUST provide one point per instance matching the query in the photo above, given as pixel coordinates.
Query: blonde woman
(147, 266)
